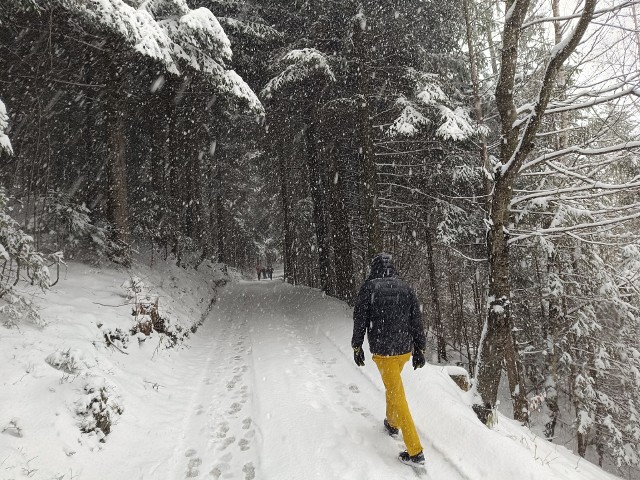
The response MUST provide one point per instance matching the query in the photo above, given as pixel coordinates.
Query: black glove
(418, 359)
(358, 356)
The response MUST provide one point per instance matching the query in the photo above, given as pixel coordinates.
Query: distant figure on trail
(259, 270)
(264, 273)
(270, 272)
(387, 310)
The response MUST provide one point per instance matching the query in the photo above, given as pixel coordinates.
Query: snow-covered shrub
(146, 313)
(118, 338)
(14, 308)
(100, 408)
(21, 261)
(20, 265)
(5, 144)
(148, 320)
(134, 286)
(71, 361)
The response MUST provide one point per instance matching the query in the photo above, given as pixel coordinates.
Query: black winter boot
(417, 459)
(393, 431)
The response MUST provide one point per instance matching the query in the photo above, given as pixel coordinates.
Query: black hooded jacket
(387, 310)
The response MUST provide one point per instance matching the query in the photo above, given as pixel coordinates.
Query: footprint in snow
(217, 471)
(227, 441)
(194, 463)
(354, 388)
(249, 471)
(235, 408)
(222, 430)
(232, 383)
(246, 423)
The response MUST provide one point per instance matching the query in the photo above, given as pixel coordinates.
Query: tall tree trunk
(340, 231)
(515, 377)
(556, 316)
(221, 230)
(369, 177)
(117, 192)
(556, 319)
(318, 194)
(435, 300)
(498, 328)
(287, 221)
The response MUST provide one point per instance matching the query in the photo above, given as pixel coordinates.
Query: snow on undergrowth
(65, 385)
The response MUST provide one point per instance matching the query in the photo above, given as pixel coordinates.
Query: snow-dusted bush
(20, 263)
(5, 144)
(14, 308)
(99, 408)
(134, 287)
(146, 313)
(71, 361)
(116, 338)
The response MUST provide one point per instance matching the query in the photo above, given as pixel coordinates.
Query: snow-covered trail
(274, 396)
(266, 389)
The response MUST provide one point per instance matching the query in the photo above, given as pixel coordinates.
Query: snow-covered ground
(265, 389)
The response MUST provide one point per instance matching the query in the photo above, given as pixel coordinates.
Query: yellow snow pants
(398, 414)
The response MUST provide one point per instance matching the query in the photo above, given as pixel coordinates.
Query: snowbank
(63, 378)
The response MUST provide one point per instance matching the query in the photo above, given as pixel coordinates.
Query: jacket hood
(382, 266)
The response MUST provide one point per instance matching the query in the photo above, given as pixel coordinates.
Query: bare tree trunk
(341, 233)
(117, 193)
(435, 300)
(367, 158)
(287, 221)
(515, 377)
(374, 229)
(556, 317)
(317, 187)
(221, 229)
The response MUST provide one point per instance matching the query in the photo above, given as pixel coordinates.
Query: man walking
(387, 311)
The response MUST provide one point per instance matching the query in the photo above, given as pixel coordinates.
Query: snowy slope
(266, 389)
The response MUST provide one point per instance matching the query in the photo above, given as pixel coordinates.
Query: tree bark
(340, 232)
(369, 177)
(117, 192)
(287, 221)
(318, 189)
(221, 231)
(435, 300)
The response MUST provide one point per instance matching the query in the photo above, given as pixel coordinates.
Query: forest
(492, 147)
